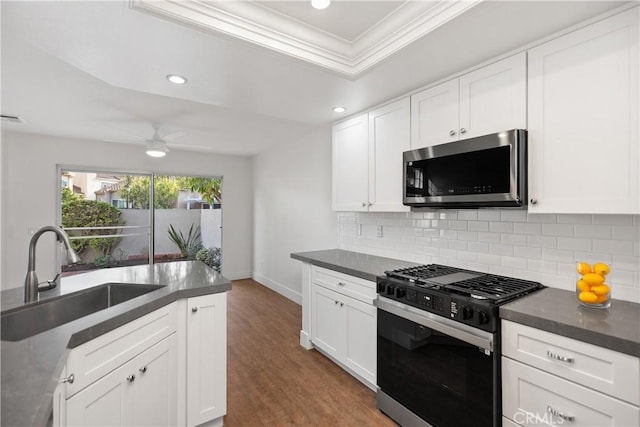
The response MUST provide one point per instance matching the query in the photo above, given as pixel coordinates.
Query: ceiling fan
(158, 146)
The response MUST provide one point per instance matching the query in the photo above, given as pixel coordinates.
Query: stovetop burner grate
(493, 288)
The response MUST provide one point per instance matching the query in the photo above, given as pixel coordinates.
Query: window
(112, 227)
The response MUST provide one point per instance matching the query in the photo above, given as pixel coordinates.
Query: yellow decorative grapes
(591, 286)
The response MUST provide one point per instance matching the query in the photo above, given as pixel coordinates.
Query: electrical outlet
(379, 231)
(359, 230)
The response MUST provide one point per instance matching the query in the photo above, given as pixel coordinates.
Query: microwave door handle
(441, 324)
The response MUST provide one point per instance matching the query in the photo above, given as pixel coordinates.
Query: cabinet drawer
(98, 357)
(533, 397)
(616, 374)
(355, 287)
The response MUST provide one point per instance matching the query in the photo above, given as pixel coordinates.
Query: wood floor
(273, 381)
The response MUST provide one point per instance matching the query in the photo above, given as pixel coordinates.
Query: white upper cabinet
(388, 139)
(488, 100)
(434, 115)
(367, 159)
(351, 165)
(583, 120)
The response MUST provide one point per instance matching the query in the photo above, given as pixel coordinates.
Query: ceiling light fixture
(320, 4)
(339, 109)
(175, 78)
(157, 148)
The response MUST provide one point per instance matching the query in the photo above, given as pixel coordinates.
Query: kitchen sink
(34, 319)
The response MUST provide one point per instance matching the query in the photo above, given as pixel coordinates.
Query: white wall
(292, 209)
(31, 201)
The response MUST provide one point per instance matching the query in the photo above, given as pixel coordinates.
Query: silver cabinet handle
(131, 378)
(369, 204)
(452, 132)
(335, 301)
(364, 204)
(341, 304)
(70, 379)
(342, 284)
(143, 369)
(557, 413)
(463, 130)
(194, 309)
(533, 201)
(558, 357)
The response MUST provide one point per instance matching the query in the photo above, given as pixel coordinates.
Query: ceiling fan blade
(189, 146)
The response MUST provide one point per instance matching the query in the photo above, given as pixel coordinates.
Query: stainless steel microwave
(486, 171)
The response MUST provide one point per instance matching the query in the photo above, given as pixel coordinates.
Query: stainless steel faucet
(31, 288)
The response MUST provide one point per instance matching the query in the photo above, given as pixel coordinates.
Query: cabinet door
(327, 322)
(351, 165)
(388, 139)
(494, 98)
(360, 345)
(206, 358)
(106, 402)
(583, 120)
(154, 391)
(434, 115)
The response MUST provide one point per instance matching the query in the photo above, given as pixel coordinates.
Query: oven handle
(457, 330)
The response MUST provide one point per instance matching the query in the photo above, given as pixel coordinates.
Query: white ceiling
(96, 70)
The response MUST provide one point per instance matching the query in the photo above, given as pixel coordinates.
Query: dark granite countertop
(558, 311)
(353, 263)
(30, 369)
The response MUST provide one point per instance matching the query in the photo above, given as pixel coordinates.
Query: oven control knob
(400, 292)
(483, 317)
(390, 289)
(381, 287)
(467, 312)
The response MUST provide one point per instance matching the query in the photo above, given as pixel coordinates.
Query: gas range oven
(438, 344)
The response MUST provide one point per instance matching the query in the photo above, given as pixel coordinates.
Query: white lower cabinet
(344, 328)
(139, 393)
(206, 358)
(548, 379)
(166, 368)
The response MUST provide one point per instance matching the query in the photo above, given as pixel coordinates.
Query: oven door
(444, 372)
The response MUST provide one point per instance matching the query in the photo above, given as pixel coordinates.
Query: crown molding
(251, 22)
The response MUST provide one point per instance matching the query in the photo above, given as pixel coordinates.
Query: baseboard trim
(278, 287)
(238, 275)
(305, 340)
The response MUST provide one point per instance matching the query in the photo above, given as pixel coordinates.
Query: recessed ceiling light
(320, 4)
(174, 78)
(339, 109)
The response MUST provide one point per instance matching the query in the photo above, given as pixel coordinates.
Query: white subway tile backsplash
(574, 219)
(479, 247)
(542, 218)
(459, 245)
(613, 246)
(523, 228)
(613, 219)
(542, 241)
(574, 244)
(513, 239)
(557, 230)
(467, 235)
(498, 249)
(593, 231)
(500, 227)
(557, 255)
(457, 225)
(488, 215)
(626, 232)
(541, 247)
(527, 252)
(489, 237)
(468, 215)
(477, 226)
(513, 216)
